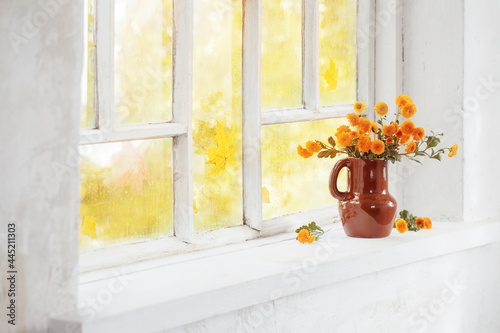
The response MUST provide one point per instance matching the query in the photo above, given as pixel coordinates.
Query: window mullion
(105, 45)
(310, 54)
(133, 132)
(182, 150)
(298, 115)
(251, 109)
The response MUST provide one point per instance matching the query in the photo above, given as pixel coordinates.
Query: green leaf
(436, 157)
(432, 141)
(331, 141)
(314, 229)
(303, 227)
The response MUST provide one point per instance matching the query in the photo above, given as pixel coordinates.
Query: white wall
(40, 66)
(481, 106)
(452, 71)
(433, 78)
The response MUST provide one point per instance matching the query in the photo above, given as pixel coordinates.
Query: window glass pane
(337, 38)
(88, 75)
(281, 54)
(126, 192)
(217, 114)
(293, 183)
(143, 61)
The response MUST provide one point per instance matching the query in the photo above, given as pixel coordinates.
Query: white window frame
(179, 128)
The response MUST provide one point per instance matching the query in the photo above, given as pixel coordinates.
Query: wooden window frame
(179, 128)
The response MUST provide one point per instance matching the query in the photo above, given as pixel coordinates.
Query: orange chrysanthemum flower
(374, 127)
(408, 127)
(381, 109)
(418, 133)
(354, 134)
(303, 236)
(359, 107)
(420, 222)
(304, 152)
(311, 239)
(390, 129)
(427, 223)
(313, 146)
(377, 147)
(453, 150)
(399, 134)
(402, 100)
(411, 147)
(353, 118)
(364, 143)
(363, 125)
(404, 139)
(401, 226)
(408, 110)
(342, 129)
(344, 139)
(389, 140)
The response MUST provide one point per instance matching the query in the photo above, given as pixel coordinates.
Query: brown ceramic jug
(367, 209)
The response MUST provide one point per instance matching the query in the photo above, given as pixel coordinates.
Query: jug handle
(334, 175)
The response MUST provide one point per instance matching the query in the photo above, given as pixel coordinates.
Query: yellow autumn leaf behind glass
(217, 165)
(222, 154)
(265, 195)
(88, 227)
(331, 76)
(337, 41)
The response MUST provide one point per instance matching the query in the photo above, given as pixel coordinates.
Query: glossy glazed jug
(366, 209)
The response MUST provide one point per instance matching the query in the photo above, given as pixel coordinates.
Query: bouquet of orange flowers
(391, 139)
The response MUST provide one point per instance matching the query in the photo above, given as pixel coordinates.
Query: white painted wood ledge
(169, 292)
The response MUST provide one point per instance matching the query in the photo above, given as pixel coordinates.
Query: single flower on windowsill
(401, 226)
(410, 222)
(309, 233)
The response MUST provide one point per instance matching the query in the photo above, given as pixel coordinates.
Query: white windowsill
(169, 292)
(145, 250)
